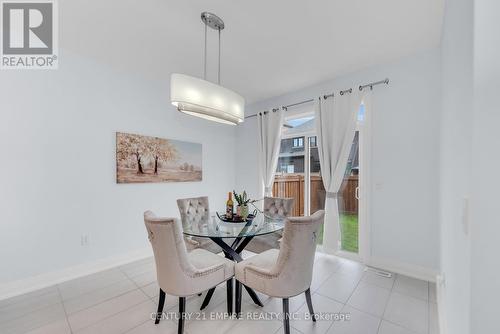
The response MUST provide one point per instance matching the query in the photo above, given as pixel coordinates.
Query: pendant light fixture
(205, 99)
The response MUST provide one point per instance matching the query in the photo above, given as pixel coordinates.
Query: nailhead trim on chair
(205, 273)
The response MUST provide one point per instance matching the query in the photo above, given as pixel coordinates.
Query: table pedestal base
(233, 253)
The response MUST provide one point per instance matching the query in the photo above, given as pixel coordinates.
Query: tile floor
(121, 300)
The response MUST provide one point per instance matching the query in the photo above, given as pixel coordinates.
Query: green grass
(349, 232)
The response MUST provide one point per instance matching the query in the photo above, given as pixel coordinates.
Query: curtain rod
(342, 92)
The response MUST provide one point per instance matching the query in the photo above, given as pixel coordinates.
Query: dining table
(233, 237)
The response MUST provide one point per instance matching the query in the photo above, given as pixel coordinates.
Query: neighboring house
(292, 151)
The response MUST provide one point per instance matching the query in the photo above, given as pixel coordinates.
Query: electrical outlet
(84, 240)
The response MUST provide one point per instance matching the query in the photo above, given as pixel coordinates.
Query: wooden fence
(292, 185)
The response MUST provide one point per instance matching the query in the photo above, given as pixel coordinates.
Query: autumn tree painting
(150, 159)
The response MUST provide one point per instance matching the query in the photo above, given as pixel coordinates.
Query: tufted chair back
(180, 273)
(194, 210)
(294, 266)
(278, 207)
(172, 264)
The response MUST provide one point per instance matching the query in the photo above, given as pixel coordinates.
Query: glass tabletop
(214, 227)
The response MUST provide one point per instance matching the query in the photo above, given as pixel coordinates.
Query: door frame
(363, 254)
(365, 181)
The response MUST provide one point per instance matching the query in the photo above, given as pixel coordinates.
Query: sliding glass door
(348, 201)
(298, 175)
(293, 165)
(290, 173)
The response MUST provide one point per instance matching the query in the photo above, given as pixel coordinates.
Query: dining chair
(286, 272)
(194, 211)
(180, 273)
(274, 207)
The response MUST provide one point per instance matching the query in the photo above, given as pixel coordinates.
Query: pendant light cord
(205, 56)
(218, 74)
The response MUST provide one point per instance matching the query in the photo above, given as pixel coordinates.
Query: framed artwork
(144, 159)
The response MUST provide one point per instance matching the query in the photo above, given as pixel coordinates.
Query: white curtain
(269, 127)
(335, 125)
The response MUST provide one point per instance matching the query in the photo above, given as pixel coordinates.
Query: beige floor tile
(149, 327)
(95, 297)
(123, 321)
(371, 277)
(58, 327)
(338, 287)
(27, 297)
(409, 312)
(89, 316)
(215, 320)
(110, 302)
(18, 309)
(390, 328)
(144, 278)
(34, 320)
(89, 283)
(324, 307)
(412, 287)
(256, 326)
(359, 323)
(276, 304)
(370, 298)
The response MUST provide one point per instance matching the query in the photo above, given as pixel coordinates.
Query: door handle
(356, 193)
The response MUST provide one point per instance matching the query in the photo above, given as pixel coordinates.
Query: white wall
(456, 134)
(57, 176)
(405, 166)
(485, 181)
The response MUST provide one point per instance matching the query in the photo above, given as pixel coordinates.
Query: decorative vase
(242, 211)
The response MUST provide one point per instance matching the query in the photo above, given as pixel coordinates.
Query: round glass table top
(213, 227)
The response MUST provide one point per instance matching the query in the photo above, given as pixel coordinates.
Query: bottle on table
(229, 206)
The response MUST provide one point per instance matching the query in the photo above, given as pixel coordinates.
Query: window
(298, 142)
(361, 113)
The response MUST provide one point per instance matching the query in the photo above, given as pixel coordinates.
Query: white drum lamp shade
(205, 99)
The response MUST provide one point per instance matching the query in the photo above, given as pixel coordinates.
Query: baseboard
(19, 287)
(423, 273)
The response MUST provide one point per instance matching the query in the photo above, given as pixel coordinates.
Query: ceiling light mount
(205, 99)
(212, 20)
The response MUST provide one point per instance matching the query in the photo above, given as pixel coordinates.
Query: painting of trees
(151, 159)
(131, 145)
(161, 150)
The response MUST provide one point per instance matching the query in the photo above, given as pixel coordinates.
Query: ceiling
(268, 47)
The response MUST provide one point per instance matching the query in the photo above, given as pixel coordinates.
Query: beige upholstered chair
(274, 207)
(192, 211)
(180, 273)
(286, 272)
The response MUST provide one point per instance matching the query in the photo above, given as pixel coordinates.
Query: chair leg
(229, 286)
(207, 298)
(238, 299)
(161, 302)
(182, 314)
(310, 304)
(286, 316)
